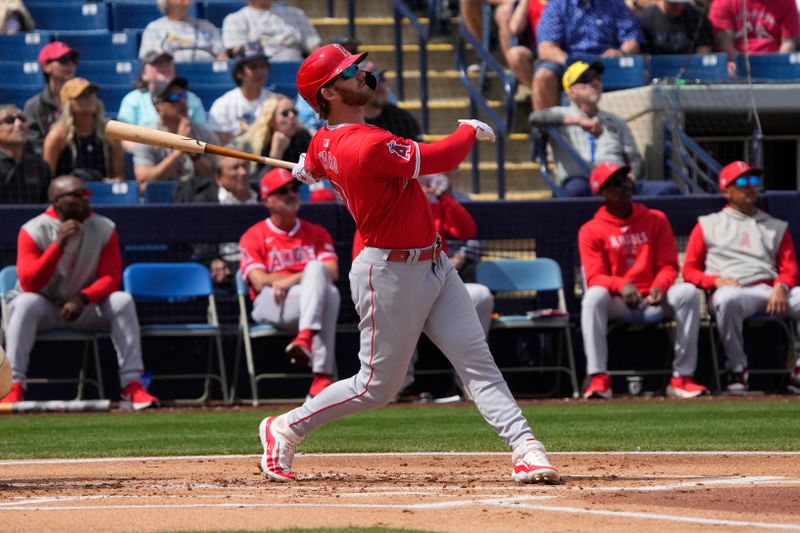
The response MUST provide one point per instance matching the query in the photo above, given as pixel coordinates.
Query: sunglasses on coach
(744, 181)
(174, 98)
(82, 193)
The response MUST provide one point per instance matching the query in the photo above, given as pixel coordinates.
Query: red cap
(55, 50)
(322, 66)
(602, 172)
(274, 180)
(322, 195)
(731, 171)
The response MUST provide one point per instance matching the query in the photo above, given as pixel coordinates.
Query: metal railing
(401, 11)
(477, 100)
(550, 134)
(684, 158)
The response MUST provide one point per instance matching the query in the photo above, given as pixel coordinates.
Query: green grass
(747, 424)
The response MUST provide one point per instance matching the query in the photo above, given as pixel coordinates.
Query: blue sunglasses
(174, 98)
(349, 72)
(744, 181)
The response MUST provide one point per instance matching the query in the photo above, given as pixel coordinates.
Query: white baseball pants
(395, 303)
(731, 305)
(29, 313)
(682, 302)
(311, 304)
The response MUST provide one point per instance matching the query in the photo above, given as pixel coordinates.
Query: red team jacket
(267, 247)
(374, 173)
(639, 249)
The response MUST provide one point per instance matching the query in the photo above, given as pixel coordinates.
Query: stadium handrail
(400, 11)
(693, 156)
(476, 99)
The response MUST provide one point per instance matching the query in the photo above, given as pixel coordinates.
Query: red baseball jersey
(267, 247)
(374, 172)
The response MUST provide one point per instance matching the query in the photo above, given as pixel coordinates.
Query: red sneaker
(17, 393)
(685, 387)
(299, 350)
(319, 383)
(599, 387)
(138, 396)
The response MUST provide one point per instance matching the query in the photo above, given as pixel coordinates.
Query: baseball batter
(401, 283)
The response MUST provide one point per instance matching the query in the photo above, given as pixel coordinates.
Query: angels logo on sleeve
(403, 151)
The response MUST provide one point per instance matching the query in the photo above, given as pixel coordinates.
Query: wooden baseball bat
(165, 139)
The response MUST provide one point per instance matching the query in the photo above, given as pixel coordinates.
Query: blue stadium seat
(118, 73)
(21, 74)
(703, 67)
(17, 95)
(136, 14)
(770, 67)
(70, 16)
(112, 95)
(209, 93)
(289, 89)
(207, 73)
(102, 45)
(159, 192)
(23, 46)
(216, 10)
(620, 72)
(123, 193)
(283, 77)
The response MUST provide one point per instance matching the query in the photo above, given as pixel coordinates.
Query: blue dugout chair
(216, 10)
(248, 332)
(8, 281)
(207, 73)
(21, 74)
(173, 283)
(160, 192)
(136, 14)
(110, 73)
(770, 67)
(541, 275)
(620, 72)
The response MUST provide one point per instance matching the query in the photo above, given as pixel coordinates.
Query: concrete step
(521, 179)
(370, 30)
(363, 8)
(517, 147)
(441, 84)
(441, 56)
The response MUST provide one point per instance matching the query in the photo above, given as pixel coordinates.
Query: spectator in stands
(636, 6)
(381, 111)
(675, 27)
(452, 221)
(58, 63)
(773, 26)
(594, 134)
(14, 18)
(153, 163)
(229, 186)
(233, 112)
(570, 27)
(137, 106)
(283, 31)
(185, 37)
(472, 14)
(520, 18)
(747, 262)
(290, 266)
(70, 269)
(24, 176)
(630, 262)
(276, 133)
(77, 143)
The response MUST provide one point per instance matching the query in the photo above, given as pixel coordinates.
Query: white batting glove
(483, 131)
(301, 173)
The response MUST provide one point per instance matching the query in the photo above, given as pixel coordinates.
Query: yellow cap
(74, 88)
(576, 70)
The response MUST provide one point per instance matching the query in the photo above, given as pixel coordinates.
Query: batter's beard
(355, 98)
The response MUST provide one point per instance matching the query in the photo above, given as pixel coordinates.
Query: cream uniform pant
(395, 302)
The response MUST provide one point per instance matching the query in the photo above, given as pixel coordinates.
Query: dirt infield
(436, 492)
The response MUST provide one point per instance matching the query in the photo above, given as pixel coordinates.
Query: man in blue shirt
(588, 27)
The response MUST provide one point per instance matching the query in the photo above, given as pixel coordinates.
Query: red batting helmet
(321, 67)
